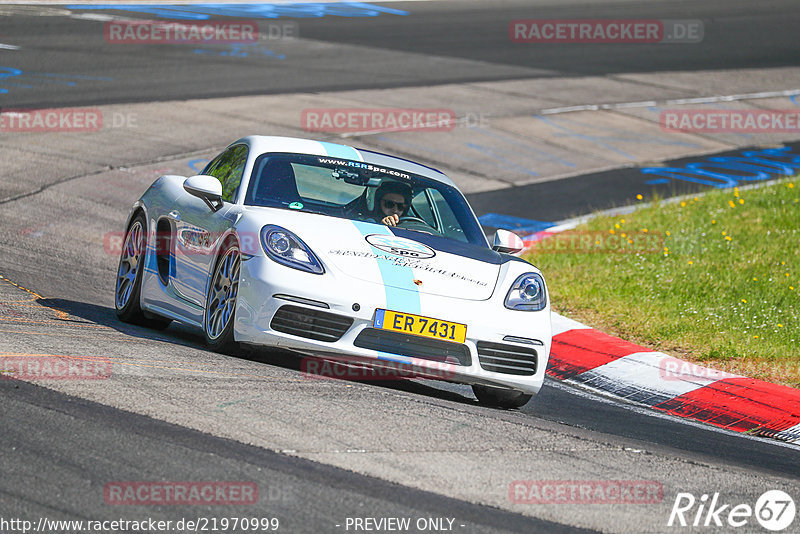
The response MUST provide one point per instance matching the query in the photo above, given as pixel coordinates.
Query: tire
(128, 288)
(223, 290)
(500, 398)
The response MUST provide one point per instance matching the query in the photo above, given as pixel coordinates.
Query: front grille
(413, 346)
(507, 359)
(312, 324)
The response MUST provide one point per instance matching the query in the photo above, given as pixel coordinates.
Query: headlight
(286, 248)
(527, 293)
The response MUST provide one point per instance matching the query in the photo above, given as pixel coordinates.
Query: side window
(422, 208)
(228, 168)
(450, 225)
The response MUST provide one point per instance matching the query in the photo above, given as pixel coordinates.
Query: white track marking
(598, 395)
(653, 372)
(563, 324)
(8, 47)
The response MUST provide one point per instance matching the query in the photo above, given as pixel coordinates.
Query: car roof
(261, 144)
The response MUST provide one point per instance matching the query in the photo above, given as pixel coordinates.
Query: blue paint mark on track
(70, 76)
(48, 77)
(264, 11)
(508, 222)
(728, 171)
(197, 165)
(241, 51)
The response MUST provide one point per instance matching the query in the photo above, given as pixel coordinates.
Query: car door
(198, 228)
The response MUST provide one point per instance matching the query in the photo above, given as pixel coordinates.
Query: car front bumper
(265, 287)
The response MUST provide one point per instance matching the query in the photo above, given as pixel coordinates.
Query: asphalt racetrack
(323, 453)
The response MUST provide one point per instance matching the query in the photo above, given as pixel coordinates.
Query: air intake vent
(507, 359)
(413, 346)
(312, 324)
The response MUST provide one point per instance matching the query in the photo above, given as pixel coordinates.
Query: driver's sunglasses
(391, 204)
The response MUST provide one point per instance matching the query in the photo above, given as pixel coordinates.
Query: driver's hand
(391, 220)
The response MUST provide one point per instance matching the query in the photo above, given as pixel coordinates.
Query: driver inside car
(392, 200)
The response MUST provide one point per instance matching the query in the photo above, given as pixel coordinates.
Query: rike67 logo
(774, 510)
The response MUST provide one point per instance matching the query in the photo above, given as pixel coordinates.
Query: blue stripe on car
(402, 293)
(341, 151)
(395, 279)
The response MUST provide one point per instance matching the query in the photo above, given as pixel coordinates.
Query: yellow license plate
(418, 325)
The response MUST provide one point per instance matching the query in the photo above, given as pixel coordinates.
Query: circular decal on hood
(400, 246)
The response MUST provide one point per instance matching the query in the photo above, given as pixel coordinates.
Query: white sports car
(337, 253)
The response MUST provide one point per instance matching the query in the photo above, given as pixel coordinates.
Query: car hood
(397, 258)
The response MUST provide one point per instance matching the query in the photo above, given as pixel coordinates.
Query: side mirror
(505, 241)
(205, 187)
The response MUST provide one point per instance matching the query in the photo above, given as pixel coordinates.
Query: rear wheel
(128, 289)
(221, 300)
(499, 397)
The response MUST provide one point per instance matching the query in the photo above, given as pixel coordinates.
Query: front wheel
(500, 398)
(221, 301)
(128, 289)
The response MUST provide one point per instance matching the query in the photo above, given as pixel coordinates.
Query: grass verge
(713, 279)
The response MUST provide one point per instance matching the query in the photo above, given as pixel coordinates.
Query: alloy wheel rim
(222, 294)
(129, 264)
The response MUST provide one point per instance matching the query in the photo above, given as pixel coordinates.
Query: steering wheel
(412, 219)
(409, 222)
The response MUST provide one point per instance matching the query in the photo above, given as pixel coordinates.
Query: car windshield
(363, 192)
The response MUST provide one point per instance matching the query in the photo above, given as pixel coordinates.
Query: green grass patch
(714, 279)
